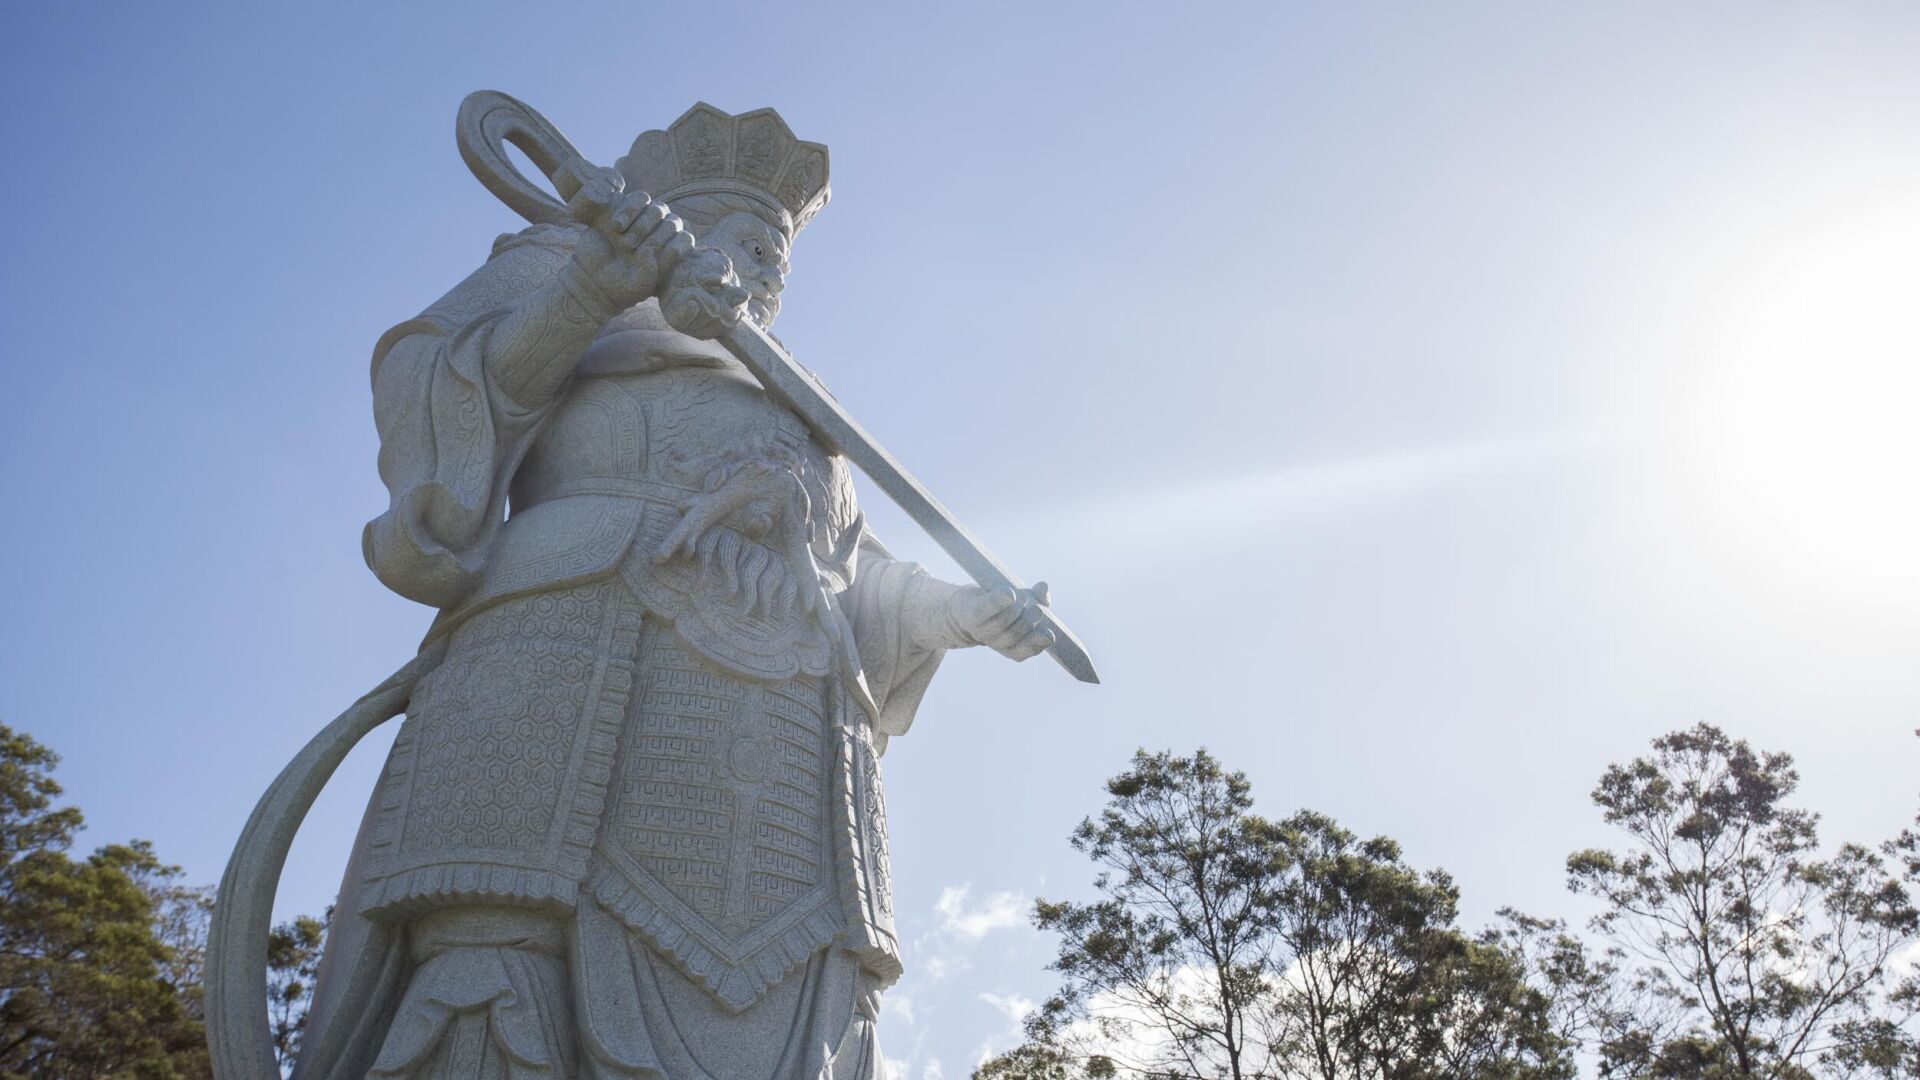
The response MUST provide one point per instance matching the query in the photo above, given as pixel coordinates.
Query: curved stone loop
(489, 120)
(238, 1031)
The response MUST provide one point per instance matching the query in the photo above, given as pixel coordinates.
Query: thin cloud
(1015, 1008)
(970, 922)
(955, 928)
(1126, 529)
(899, 1006)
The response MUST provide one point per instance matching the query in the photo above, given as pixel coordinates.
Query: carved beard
(763, 311)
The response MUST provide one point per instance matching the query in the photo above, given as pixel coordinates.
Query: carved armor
(718, 844)
(624, 458)
(720, 792)
(665, 732)
(632, 826)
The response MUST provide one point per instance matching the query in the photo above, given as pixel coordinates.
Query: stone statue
(633, 824)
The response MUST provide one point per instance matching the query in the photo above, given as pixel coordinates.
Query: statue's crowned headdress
(754, 154)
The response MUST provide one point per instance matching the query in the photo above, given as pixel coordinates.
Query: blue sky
(1422, 406)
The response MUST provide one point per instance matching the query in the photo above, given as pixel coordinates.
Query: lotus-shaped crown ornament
(754, 154)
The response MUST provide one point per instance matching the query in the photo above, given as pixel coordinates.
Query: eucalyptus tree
(1745, 951)
(1226, 945)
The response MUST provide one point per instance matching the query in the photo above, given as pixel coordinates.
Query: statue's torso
(637, 788)
(702, 702)
(620, 462)
(670, 429)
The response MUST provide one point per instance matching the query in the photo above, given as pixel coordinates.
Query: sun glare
(1812, 437)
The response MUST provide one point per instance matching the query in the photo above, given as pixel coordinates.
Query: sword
(489, 119)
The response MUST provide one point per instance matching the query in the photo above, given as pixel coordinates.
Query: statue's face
(759, 254)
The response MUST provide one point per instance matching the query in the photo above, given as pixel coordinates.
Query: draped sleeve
(450, 437)
(886, 601)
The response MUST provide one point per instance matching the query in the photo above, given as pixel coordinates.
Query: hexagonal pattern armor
(495, 784)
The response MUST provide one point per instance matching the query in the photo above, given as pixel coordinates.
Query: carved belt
(622, 486)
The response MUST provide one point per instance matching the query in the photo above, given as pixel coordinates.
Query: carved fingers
(765, 502)
(703, 515)
(589, 189)
(632, 242)
(635, 247)
(703, 295)
(1008, 622)
(631, 218)
(799, 556)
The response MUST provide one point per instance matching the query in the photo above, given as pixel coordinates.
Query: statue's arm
(458, 391)
(630, 250)
(931, 615)
(905, 620)
(533, 347)
(893, 608)
(941, 615)
(625, 252)
(929, 612)
(527, 316)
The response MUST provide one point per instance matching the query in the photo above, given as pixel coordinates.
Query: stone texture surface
(633, 824)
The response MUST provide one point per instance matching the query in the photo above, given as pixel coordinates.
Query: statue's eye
(759, 251)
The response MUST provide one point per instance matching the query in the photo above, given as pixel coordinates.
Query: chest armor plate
(670, 439)
(673, 431)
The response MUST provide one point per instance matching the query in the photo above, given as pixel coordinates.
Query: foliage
(1221, 944)
(1382, 982)
(89, 987)
(101, 959)
(1035, 1061)
(1737, 950)
(1228, 945)
(293, 961)
(1170, 966)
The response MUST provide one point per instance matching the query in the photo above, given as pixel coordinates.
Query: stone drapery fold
(450, 439)
(453, 436)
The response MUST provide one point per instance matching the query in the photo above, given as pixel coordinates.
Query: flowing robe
(633, 823)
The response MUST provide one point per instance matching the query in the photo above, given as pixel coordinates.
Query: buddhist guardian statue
(633, 824)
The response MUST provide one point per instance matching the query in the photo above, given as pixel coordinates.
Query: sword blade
(489, 119)
(794, 387)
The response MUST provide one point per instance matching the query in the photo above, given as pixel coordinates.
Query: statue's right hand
(703, 297)
(631, 243)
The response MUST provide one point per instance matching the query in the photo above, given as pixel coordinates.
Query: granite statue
(633, 824)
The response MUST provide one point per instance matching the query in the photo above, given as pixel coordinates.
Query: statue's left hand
(1003, 620)
(765, 501)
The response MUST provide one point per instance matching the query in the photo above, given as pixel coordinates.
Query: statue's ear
(489, 120)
